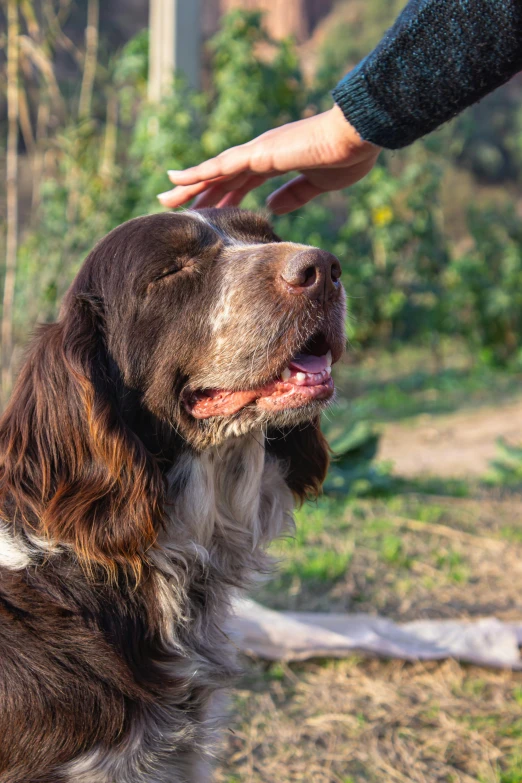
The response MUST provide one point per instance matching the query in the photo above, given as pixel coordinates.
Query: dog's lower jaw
(209, 434)
(227, 504)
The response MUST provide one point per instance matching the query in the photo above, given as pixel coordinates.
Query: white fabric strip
(297, 636)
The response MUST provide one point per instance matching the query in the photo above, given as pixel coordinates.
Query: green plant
(354, 446)
(487, 284)
(506, 468)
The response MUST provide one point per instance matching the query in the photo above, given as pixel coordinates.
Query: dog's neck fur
(225, 506)
(224, 491)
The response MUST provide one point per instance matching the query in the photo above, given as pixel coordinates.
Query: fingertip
(292, 195)
(179, 177)
(279, 205)
(171, 200)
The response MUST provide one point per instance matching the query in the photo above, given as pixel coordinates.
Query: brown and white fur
(155, 443)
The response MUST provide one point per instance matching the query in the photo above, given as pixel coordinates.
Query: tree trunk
(12, 195)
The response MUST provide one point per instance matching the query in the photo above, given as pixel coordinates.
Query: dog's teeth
(301, 376)
(328, 370)
(285, 375)
(329, 358)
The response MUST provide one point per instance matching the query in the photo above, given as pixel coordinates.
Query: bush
(487, 285)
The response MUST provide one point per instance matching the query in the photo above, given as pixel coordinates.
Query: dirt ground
(454, 446)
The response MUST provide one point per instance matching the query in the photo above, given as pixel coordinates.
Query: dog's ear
(70, 467)
(305, 454)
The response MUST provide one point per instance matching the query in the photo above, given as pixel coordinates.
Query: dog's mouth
(307, 378)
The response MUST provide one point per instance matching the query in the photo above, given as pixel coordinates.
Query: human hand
(326, 150)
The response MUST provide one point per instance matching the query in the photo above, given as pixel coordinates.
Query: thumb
(292, 195)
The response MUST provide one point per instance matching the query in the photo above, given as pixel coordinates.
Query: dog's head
(217, 325)
(180, 331)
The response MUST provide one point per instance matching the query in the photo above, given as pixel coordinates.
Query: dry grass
(375, 721)
(406, 557)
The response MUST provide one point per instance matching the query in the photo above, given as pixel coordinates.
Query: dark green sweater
(438, 58)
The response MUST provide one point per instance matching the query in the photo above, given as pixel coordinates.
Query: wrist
(347, 134)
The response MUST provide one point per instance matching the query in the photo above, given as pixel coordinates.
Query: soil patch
(458, 445)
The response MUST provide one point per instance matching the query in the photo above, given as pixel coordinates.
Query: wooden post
(175, 45)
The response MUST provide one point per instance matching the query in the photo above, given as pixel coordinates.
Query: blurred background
(420, 516)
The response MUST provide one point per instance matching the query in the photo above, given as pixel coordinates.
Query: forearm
(439, 57)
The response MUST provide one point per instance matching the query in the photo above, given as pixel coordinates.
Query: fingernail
(173, 172)
(164, 195)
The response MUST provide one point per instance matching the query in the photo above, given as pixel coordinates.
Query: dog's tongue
(307, 363)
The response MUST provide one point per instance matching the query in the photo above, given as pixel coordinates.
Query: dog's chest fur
(229, 504)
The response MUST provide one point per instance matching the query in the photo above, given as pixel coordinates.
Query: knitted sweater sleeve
(438, 58)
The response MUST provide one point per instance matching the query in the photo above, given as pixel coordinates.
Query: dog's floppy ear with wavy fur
(71, 470)
(305, 454)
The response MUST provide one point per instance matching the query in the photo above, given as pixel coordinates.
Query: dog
(157, 438)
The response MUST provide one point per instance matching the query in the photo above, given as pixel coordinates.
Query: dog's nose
(312, 273)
